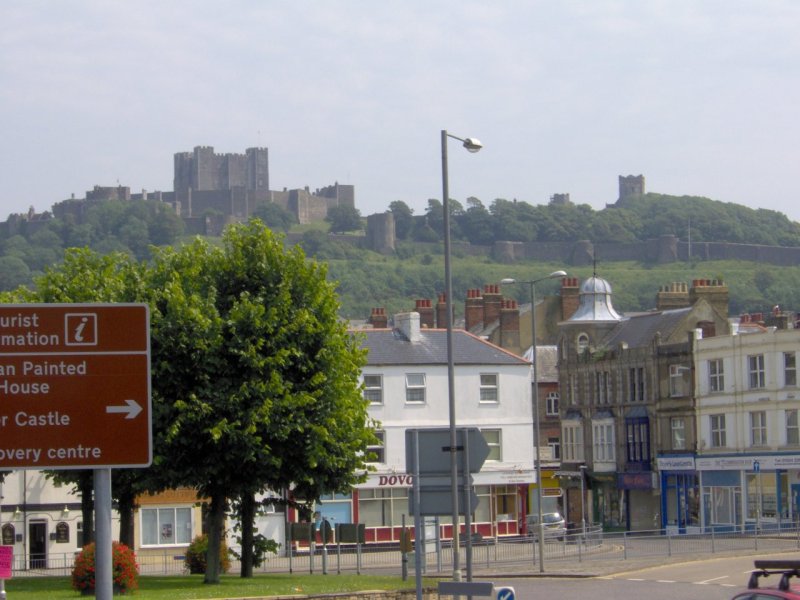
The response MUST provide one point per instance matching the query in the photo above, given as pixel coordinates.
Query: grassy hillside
(395, 284)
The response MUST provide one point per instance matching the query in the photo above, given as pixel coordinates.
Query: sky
(699, 96)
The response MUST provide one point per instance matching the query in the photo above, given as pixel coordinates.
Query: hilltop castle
(211, 190)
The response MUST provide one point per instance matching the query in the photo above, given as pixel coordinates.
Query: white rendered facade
(406, 381)
(748, 404)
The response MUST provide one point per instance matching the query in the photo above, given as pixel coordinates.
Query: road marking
(665, 581)
(632, 579)
(710, 580)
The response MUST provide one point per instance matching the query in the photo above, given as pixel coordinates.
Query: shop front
(552, 496)
(639, 497)
(741, 493)
(680, 494)
(381, 504)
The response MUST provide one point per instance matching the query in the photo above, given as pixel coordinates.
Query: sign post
(6, 560)
(431, 493)
(75, 389)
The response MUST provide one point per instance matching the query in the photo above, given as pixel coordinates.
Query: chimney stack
(509, 325)
(473, 309)
(408, 325)
(674, 295)
(570, 298)
(378, 318)
(492, 300)
(714, 291)
(441, 311)
(425, 309)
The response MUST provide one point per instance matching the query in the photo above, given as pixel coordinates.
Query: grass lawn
(188, 587)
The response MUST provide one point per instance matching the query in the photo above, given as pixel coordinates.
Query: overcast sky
(699, 96)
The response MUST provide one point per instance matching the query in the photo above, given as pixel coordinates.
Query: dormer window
(582, 343)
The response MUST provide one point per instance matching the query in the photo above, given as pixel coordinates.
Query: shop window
(382, 507)
(762, 495)
(722, 504)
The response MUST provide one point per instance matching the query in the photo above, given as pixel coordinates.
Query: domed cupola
(595, 302)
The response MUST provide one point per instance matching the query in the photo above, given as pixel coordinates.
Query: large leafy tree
(258, 377)
(344, 218)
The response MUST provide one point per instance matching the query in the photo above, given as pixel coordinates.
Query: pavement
(604, 567)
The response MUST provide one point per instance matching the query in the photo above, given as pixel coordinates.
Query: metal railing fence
(486, 554)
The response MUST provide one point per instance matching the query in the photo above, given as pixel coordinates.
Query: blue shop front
(680, 494)
(743, 492)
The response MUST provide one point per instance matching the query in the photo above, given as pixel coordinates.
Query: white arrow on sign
(131, 407)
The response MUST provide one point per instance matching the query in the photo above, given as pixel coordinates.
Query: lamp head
(556, 274)
(473, 144)
(507, 281)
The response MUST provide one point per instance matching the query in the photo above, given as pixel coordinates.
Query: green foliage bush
(196, 556)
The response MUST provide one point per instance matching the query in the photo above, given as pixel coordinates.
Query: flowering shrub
(125, 571)
(196, 555)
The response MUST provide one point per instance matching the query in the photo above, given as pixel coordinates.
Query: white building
(406, 382)
(748, 456)
(40, 519)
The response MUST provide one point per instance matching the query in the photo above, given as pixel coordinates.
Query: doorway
(37, 544)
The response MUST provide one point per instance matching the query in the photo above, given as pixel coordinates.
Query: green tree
(275, 216)
(403, 219)
(258, 379)
(13, 272)
(344, 218)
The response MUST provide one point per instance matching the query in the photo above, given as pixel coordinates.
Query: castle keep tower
(631, 186)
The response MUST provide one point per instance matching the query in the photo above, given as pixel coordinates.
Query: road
(714, 579)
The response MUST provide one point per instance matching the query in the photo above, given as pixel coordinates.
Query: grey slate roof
(640, 329)
(390, 347)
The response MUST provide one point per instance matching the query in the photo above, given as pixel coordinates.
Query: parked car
(554, 526)
(784, 588)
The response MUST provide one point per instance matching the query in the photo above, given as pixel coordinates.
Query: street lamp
(583, 502)
(532, 283)
(472, 145)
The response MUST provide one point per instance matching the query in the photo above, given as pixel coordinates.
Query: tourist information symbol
(75, 386)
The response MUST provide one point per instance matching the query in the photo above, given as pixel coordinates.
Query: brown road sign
(75, 386)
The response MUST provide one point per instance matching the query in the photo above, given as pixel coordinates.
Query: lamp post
(472, 145)
(538, 463)
(583, 502)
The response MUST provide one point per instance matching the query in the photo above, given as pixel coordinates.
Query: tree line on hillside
(635, 219)
(255, 380)
(135, 227)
